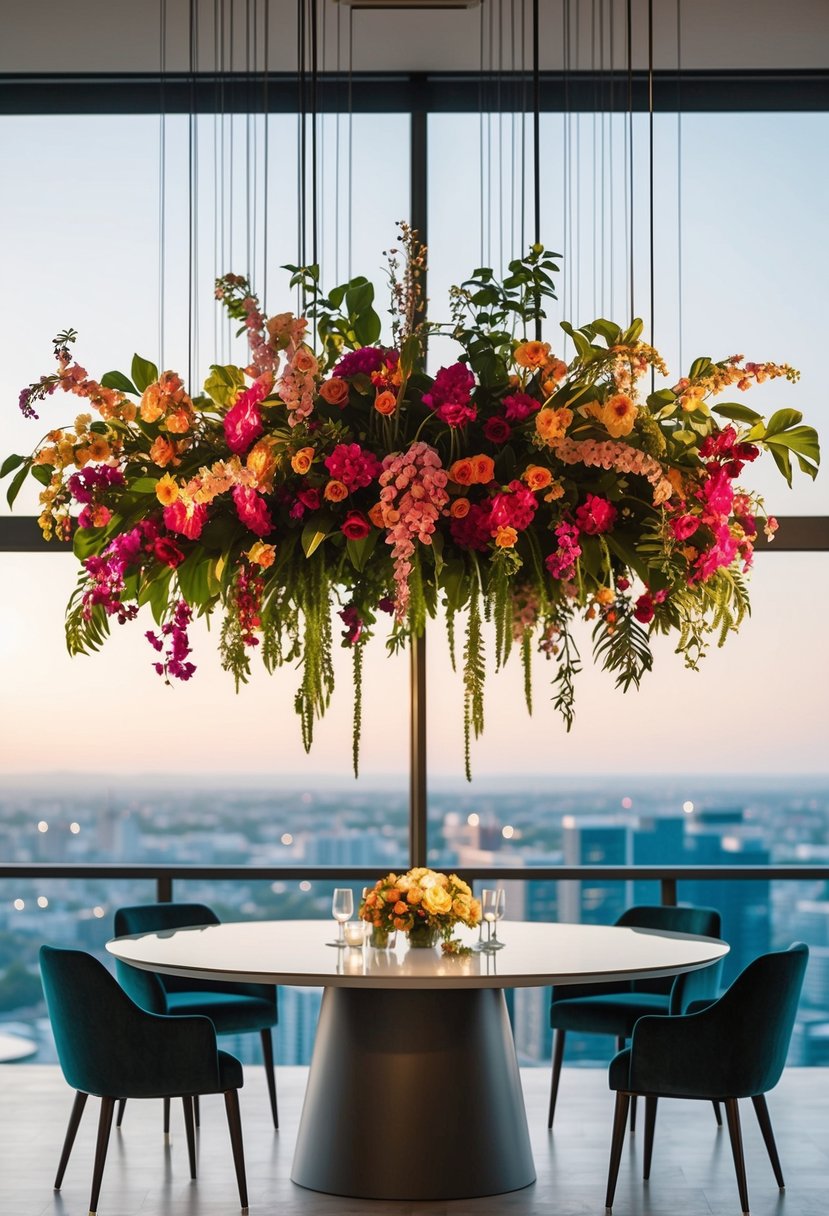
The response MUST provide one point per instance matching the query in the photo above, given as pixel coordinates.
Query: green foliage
(474, 676)
(621, 646)
(569, 666)
(143, 373)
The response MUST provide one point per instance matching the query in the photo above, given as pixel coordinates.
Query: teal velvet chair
(232, 1008)
(721, 1050)
(615, 1008)
(109, 1047)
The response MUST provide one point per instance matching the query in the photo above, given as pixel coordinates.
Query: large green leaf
(17, 482)
(10, 464)
(782, 420)
(314, 533)
(193, 577)
(119, 381)
(359, 551)
(736, 412)
(143, 372)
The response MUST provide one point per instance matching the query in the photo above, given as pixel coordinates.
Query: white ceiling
(118, 36)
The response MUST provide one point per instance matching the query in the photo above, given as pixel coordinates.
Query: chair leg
(104, 1128)
(558, 1056)
(732, 1115)
(633, 1112)
(762, 1112)
(166, 1116)
(190, 1132)
(717, 1113)
(234, 1123)
(122, 1106)
(196, 1110)
(650, 1126)
(71, 1132)
(267, 1054)
(620, 1118)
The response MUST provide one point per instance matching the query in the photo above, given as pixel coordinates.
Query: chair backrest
(703, 922)
(145, 987)
(109, 1046)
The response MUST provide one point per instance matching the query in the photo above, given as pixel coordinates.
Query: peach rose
(415, 895)
(537, 477)
(385, 403)
(301, 461)
(484, 469)
(263, 555)
(163, 452)
(334, 391)
(304, 361)
(335, 491)
(552, 424)
(279, 329)
(178, 422)
(151, 408)
(261, 461)
(392, 896)
(437, 901)
(459, 508)
(400, 908)
(375, 514)
(462, 472)
(506, 537)
(532, 354)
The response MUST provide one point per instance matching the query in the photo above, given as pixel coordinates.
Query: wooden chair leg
(732, 1115)
(717, 1113)
(558, 1056)
(620, 1118)
(267, 1054)
(71, 1132)
(104, 1128)
(650, 1126)
(190, 1132)
(196, 1110)
(122, 1106)
(633, 1112)
(234, 1123)
(166, 1116)
(762, 1112)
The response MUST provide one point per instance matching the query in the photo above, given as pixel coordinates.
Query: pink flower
(252, 510)
(473, 530)
(243, 421)
(562, 563)
(717, 492)
(167, 552)
(519, 406)
(595, 515)
(513, 508)
(683, 526)
(353, 466)
(186, 519)
(451, 394)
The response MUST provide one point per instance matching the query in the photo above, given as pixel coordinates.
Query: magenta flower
(595, 515)
(353, 466)
(514, 507)
(243, 421)
(364, 361)
(252, 510)
(562, 563)
(474, 530)
(451, 394)
(519, 406)
(683, 526)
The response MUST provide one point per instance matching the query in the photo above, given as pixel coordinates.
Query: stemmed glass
(492, 909)
(342, 909)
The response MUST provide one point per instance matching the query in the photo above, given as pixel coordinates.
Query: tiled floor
(692, 1173)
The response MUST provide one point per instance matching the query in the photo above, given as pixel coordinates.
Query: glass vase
(421, 937)
(382, 939)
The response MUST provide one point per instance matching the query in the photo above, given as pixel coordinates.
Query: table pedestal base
(413, 1094)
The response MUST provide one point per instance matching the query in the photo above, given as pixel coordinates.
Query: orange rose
(178, 422)
(536, 477)
(400, 908)
(263, 555)
(505, 537)
(552, 424)
(335, 491)
(334, 391)
(301, 461)
(376, 515)
(163, 452)
(459, 508)
(484, 469)
(262, 462)
(151, 408)
(555, 370)
(304, 361)
(385, 403)
(532, 354)
(462, 472)
(555, 492)
(392, 896)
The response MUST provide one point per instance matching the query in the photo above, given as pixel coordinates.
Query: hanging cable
(314, 111)
(350, 131)
(266, 152)
(650, 186)
(162, 175)
(481, 132)
(565, 177)
(679, 175)
(611, 157)
(536, 152)
(629, 150)
(522, 235)
(191, 198)
(301, 165)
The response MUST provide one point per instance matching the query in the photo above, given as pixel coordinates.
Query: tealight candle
(354, 933)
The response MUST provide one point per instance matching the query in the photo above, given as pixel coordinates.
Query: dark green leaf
(737, 412)
(359, 551)
(120, 382)
(17, 482)
(143, 372)
(10, 463)
(42, 473)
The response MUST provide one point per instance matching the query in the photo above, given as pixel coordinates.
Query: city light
(19, 905)
(286, 838)
(507, 831)
(473, 820)
(42, 901)
(98, 911)
(305, 885)
(688, 807)
(627, 803)
(43, 826)
(74, 828)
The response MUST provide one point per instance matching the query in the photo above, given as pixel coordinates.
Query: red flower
(595, 515)
(243, 422)
(177, 519)
(355, 526)
(643, 610)
(252, 510)
(167, 552)
(497, 430)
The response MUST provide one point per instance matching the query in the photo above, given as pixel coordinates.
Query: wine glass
(489, 899)
(498, 912)
(342, 908)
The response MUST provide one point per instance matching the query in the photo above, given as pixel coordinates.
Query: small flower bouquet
(424, 904)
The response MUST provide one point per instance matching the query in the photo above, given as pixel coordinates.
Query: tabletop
(295, 952)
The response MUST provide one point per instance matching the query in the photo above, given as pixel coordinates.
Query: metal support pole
(667, 892)
(164, 889)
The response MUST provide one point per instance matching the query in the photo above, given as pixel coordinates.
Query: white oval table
(413, 1090)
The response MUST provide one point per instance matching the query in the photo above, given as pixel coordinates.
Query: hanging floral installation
(510, 486)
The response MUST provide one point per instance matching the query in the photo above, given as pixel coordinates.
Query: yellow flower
(263, 555)
(552, 424)
(166, 490)
(437, 901)
(619, 415)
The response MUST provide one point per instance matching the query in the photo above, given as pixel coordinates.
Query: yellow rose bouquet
(424, 904)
